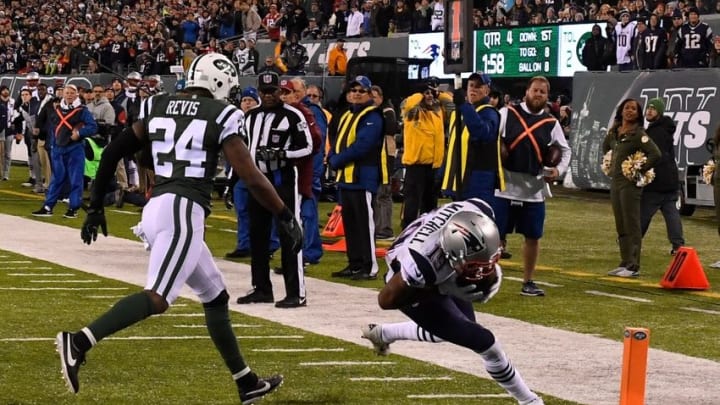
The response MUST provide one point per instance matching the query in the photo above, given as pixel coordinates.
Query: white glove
(465, 293)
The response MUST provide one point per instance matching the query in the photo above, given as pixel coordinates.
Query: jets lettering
(182, 107)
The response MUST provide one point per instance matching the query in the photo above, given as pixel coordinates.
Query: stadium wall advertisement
(691, 101)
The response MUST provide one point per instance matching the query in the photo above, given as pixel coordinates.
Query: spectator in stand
(354, 22)
(317, 14)
(715, 60)
(421, 17)
(402, 17)
(251, 21)
(271, 23)
(673, 35)
(652, 46)
(313, 31)
(384, 15)
(341, 18)
(702, 7)
(270, 66)
(438, 16)
(594, 54)
(190, 29)
(295, 56)
(518, 15)
(297, 21)
(337, 59)
(369, 12)
(694, 42)
(624, 37)
(253, 55)
(641, 11)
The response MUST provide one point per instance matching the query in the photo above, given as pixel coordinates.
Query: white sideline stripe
(62, 288)
(64, 281)
(440, 396)
(446, 378)
(309, 349)
(235, 325)
(182, 315)
(153, 338)
(542, 283)
(622, 297)
(42, 274)
(100, 297)
(125, 212)
(704, 311)
(346, 363)
(3, 256)
(228, 230)
(28, 268)
(16, 261)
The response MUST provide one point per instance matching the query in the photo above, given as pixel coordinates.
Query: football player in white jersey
(439, 265)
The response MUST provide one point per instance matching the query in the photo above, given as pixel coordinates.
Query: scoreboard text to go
(529, 51)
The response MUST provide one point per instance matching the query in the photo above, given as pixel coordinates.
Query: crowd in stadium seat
(88, 36)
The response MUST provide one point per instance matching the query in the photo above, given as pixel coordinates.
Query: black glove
(95, 218)
(262, 154)
(290, 231)
(458, 97)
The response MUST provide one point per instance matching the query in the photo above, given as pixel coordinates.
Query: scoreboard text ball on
(458, 43)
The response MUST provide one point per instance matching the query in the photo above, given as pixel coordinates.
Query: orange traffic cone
(334, 227)
(685, 272)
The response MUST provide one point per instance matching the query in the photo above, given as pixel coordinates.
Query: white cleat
(373, 333)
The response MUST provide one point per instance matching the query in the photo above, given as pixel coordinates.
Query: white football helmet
(214, 72)
(471, 242)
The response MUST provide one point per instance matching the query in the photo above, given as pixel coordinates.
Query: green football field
(168, 359)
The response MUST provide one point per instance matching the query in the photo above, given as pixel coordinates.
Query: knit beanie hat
(658, 104)
(250, 92)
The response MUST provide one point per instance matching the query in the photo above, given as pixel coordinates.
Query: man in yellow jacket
(337, 59)
(424, 148)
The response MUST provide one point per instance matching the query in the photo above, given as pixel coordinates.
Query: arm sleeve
(369, 135)
(90, 127)
(482, 126)
(558, 138)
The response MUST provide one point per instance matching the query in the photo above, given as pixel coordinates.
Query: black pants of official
(357, 217)
(285, 182)
(419, 192)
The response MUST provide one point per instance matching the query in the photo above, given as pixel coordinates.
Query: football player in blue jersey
(438, 266)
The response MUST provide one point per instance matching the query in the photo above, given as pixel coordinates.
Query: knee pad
(219, 301)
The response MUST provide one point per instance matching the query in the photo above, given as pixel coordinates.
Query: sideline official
(278, 135)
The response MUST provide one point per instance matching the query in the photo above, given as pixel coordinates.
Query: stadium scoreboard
(549, 50)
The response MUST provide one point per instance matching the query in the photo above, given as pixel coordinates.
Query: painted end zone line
(441, 396)
(154, 338)
(42, 274)
(622, 297)
(446, 378)
(346, 363)
(29, 268)
(64, 281)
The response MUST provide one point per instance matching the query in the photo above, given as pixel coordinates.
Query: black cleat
(70, 360)
(291, 302)
(264, 387)
(347, 272)
(256, 297)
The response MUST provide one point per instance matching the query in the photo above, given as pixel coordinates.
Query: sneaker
(715, 265)
(291, 302)
(257, 297)
(29, 183)
(71, 213)
(237, 254)
(347, 272)
(45, 211)
(264, 387)
(536, 401)
(278, 270)
(373, 333)
(529, 289)
(70, 360)
(39, 190)
(674, 250)
(626, 273)
(616, 270)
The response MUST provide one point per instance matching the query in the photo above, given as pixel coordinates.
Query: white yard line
(63, 288)
(572, 366)
(459, 396)
(308, 350)
(42, 274)
(390, 379)
(345, 363)
(622, 297)
(43, 339)
(235, 325)
(704, 311)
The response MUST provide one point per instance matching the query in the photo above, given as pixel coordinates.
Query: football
(552, 156)
(483, 285)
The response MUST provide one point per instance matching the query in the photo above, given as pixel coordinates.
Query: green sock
(218, 324)
(128, 311)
